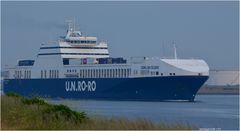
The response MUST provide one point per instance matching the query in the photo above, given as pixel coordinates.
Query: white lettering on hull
(80, 86)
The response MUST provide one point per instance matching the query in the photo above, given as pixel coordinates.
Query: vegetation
(34, 113)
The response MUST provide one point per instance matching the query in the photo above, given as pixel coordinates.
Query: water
(209, 111)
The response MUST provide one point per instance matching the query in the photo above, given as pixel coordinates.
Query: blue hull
(147, 88)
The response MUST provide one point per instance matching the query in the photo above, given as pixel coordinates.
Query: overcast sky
(206, 30)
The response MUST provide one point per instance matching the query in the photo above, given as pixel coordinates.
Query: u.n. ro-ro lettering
(80, 86)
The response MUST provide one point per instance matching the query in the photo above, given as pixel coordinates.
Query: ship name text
(80, 86)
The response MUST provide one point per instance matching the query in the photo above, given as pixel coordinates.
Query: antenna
(69, 24)
(163, 49)
(175, 50)
(74, 24)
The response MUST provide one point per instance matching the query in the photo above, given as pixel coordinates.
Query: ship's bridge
(74, 46)
(75, 37)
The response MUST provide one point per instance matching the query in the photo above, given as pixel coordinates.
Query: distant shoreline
(219, 90)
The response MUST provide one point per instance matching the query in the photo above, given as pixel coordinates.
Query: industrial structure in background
(221, 82)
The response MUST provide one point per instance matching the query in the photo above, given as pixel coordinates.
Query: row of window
(73, 54)
(71, 70)
(66, 47)
(22, 74)
(101, 73)
(51, 74)
(74, 35)
(82, 41)
(153, 73)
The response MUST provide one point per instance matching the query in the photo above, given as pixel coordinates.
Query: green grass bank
(34, 113)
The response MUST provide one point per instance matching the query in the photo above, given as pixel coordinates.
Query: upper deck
(75, 46)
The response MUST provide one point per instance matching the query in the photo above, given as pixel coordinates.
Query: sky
(203, 30)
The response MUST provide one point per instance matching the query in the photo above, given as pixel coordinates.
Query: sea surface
(219, 112)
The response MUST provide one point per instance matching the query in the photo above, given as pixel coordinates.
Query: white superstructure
(78, 56)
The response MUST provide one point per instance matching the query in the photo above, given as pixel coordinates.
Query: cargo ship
(80, 67)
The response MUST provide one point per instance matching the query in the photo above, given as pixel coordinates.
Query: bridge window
(74, 35)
